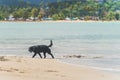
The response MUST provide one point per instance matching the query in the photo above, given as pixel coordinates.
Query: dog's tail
(51, 43)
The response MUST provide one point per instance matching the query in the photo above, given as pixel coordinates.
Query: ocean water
(98, 42)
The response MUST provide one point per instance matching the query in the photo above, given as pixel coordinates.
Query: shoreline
(63, 21)
(106, 70)
(25, 68)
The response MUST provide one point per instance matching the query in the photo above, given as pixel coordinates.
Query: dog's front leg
(40, 55)
(34, 55)
(44, 54)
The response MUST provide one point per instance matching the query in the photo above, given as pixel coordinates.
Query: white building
(11, 18)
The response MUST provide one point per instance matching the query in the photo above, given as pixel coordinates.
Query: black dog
(41, 49)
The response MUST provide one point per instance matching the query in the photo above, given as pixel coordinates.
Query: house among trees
(11, 18)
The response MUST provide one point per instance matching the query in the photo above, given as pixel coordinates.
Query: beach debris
(51, 71)
(11, 70)
(82, 57)
(2, 58)
(97, 57)
(73, 56)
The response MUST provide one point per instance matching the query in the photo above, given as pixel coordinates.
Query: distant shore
(63, 21)
(25, 68)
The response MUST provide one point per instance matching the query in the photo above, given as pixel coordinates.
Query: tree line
(80, 9)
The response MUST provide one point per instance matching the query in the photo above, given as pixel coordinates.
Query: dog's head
(30, 49)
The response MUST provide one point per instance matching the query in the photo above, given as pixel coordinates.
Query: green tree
(59, 16)
(34, 13)
(41, 13)
(110, 16)
(1, 17)
(117, 16)
(16, 15)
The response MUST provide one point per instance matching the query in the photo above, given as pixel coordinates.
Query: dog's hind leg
(34, 55)
(40, 55)
(49, 52)
(51, 55)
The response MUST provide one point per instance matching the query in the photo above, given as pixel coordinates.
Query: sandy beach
(25, 68)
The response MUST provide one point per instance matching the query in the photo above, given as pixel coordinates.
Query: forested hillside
(18, 2)
(60, 9)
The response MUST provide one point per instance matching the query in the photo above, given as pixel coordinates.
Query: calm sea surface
(98, 42)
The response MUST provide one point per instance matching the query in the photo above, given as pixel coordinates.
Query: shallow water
(99, 42)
